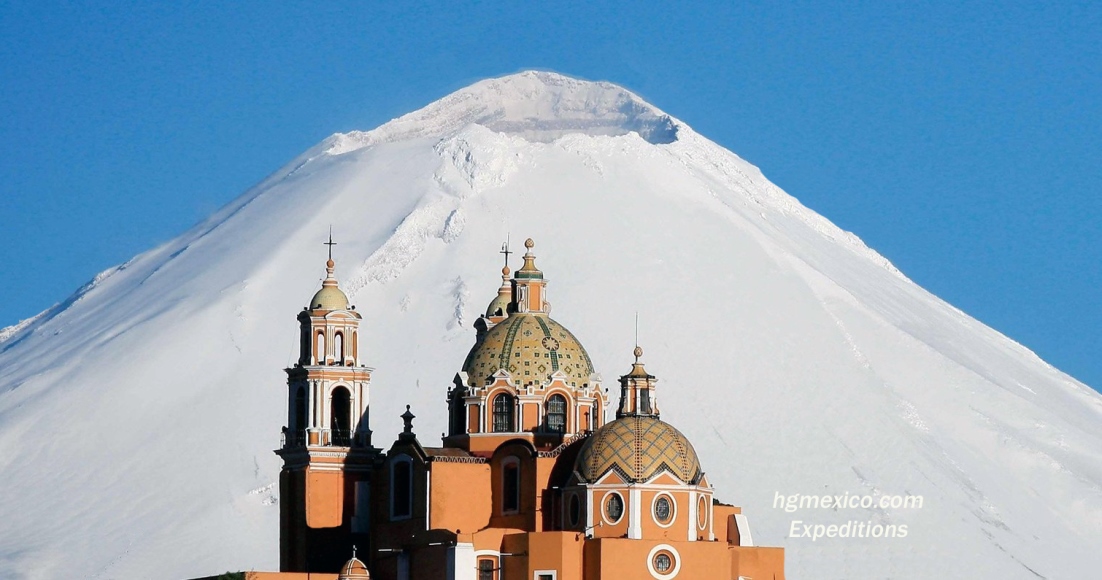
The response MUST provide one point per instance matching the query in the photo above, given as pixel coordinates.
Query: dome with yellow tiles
(638, 448)
(531, 347)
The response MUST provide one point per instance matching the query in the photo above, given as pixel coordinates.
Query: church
(531, 482)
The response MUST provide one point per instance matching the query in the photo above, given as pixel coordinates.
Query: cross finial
(353, 551)
(505, 250)
(330, 243)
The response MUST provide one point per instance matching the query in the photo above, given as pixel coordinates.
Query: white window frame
(654, 509)
(604, 506)
(676, 562)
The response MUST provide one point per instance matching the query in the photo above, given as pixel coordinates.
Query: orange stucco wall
(757, 563)
(453, 506)
(324, 498)
(615, 558)
(558, 551)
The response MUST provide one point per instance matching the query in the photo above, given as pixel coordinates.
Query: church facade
(531, 481)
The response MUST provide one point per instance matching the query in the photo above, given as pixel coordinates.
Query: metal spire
(330, 243)
(505, 250)
(638, 352)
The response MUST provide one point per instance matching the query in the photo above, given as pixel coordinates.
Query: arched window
(401, 488)
(503, 413)
(510, 485)
(319, 354)
(300, 411)
(338, 348)
(556, 414)
(457, 424)
(340, 416)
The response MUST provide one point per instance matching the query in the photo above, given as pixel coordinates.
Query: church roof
(530, 346)
(638, 448)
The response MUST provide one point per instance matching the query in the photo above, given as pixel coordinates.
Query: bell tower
(637, 391)
(326, 449)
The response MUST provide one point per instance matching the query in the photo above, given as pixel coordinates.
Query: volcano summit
(138, 417)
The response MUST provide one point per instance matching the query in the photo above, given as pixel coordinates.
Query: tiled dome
(638, 448)
(531, 346)
(354, 569)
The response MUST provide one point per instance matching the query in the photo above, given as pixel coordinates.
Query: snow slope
(137, 418)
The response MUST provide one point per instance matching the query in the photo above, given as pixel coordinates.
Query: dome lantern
(637, 391)
(330, 297)
(529, 287)
(499, 306)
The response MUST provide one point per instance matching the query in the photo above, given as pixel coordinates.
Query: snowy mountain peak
(142, 411)
(535, 105)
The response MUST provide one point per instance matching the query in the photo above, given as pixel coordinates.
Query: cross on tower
(330, 243)
(505, 250)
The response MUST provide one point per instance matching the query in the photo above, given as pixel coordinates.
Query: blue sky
(962, 141)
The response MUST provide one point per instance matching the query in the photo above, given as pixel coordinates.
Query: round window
(663, 509)
(614, 507)
(575, 510)
(663, 562)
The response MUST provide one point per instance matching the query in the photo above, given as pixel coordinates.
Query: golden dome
(638, 448)
(330, 297)
(531, 347)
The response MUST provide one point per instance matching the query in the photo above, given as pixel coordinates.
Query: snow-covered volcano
(137, 418)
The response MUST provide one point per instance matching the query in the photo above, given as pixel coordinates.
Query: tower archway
(340, 416)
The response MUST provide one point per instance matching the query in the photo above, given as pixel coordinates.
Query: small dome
(531, 347)
(329, 298)
(638, 448)
(354, 569)
(499, 306)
